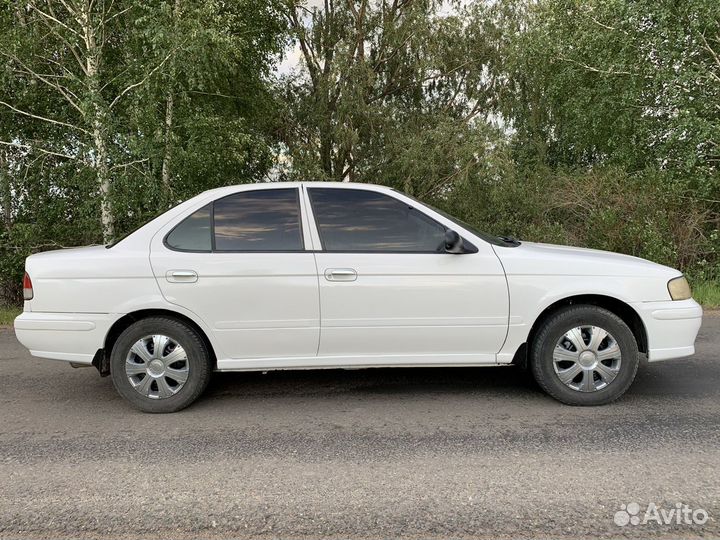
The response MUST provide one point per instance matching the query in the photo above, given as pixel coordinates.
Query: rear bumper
(73, 337)
(672, 327)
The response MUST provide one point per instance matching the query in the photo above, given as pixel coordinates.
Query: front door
(389, 293)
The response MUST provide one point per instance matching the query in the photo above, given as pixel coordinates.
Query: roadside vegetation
(8, 314)
(591, 123)
(707, 293)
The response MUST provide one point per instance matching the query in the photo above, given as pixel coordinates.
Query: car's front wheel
(584, 355)
(160, 365)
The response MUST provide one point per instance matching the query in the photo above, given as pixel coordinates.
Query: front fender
(530, 296)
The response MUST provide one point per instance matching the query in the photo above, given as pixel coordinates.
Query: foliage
(633, 83)
(628, 87)
(110, 111)
(8, 314)
(591, 122)
(707, 293)
(605, 208)
(390, 92)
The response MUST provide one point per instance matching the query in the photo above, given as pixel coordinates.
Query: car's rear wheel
(584, 355)
(160, 365)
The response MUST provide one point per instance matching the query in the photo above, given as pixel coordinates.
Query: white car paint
(280, 311)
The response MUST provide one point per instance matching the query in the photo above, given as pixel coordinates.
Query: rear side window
(193, 233)
(362, 220)
(262, 220)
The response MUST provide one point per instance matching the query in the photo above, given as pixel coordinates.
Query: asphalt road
(424, 453)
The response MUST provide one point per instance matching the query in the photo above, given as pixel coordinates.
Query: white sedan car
(323, 275)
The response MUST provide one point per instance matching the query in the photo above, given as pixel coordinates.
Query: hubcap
(157, 366)
(587, 358)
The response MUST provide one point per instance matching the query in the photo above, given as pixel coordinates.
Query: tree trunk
(103, 177)
(326, 147)
(169, 111)
(5, 192)
(99, 125)
(167, 157)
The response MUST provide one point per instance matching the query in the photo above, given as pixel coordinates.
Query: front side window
(362, 220)
(262, 220)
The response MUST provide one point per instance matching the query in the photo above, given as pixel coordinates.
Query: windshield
(490, 238)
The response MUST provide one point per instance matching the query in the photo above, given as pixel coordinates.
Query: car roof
(280, 185)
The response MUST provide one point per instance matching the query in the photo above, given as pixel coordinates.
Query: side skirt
(355, 362)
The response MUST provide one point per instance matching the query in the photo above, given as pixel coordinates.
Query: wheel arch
(623, 310)
(102, 358)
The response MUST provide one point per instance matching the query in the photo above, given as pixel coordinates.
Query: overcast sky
(293, 55)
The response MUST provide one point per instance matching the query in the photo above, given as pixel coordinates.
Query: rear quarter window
(193, 233)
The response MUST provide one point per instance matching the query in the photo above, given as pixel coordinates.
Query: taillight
(27, 287)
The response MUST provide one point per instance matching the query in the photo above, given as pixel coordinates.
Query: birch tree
(113, 110)
(206, 118)
(71, 48)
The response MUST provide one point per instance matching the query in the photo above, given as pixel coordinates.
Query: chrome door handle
(340, 274)
(181, 276)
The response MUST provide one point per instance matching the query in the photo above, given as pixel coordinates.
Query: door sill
(356, 362)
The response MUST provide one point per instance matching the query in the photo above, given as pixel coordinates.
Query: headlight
(679, 288)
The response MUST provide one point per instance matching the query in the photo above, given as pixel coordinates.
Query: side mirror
(453, 242)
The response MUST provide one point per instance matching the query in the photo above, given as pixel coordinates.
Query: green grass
(707, 293)
(7, 314)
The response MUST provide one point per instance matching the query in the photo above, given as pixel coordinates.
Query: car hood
(536, 258)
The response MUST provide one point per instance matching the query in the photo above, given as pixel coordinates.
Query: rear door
(389, 293)
(240, 264)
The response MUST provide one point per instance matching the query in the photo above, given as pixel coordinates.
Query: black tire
(198, 359)
(551, 331)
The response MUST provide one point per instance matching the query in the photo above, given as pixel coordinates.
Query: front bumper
(672, 327)
(73, 337)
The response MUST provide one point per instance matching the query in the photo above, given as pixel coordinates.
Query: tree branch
(607, 27)
(118, 14)
(313, 67)
(39, 246)
(44, 119)
(141, 82)
(594, 69)
(53, 18)
(129, 163)
(62, 38)
(214, 94)
(708, 48)
(389, 91)
(44, 78)
(68, 74)
(37, 149)
(70, 10)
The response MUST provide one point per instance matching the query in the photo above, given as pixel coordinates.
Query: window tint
(193, 233)
(262, 220)
(360, 220)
